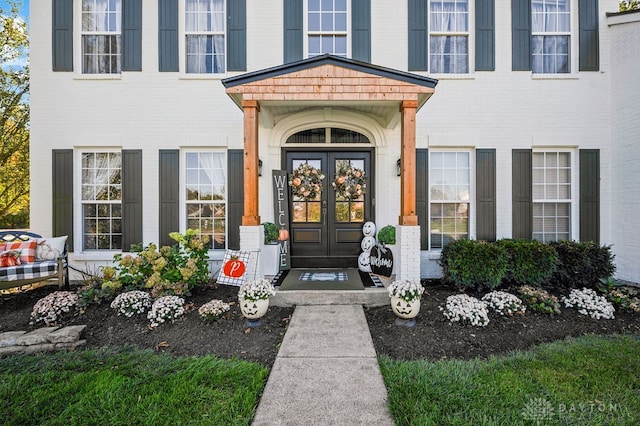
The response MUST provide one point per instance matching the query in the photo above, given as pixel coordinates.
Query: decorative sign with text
(281, 215)
(381, 260)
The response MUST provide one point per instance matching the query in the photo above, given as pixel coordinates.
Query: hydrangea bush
(213, 310)
(588, 302)
(504, 303)
(51, 308)
(540, 300)
(406, 290)
(466, 310)
(171, 270)
(256, 290)
(166, 308)
(132, 303)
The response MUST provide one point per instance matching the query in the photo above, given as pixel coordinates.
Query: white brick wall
(500, 109)
(625, 147)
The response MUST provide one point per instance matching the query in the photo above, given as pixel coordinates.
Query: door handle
(324, 212)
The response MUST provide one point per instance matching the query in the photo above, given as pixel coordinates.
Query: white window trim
(183, 194)
(574, 220)
(182, 47)
(471, 46)
(79, 252)
(306, 32)
(472, 195)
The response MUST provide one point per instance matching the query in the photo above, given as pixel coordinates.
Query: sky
(24, 11)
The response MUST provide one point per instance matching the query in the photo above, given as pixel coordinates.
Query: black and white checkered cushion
(28, 270)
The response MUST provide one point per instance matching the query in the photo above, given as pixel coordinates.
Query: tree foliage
(14, 118)
(629, 5)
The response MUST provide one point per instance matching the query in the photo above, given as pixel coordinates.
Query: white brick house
(512, 119)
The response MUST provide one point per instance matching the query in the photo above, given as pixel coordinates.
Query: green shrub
(473, 264)
(171, 270)
(530, 262)
(581, 265)
(270, 232)
(387, 235)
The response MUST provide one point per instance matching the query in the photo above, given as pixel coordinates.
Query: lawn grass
(127, 387)
(592, 380)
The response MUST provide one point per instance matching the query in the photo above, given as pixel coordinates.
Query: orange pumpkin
(340, 180)
(296, 182)
(283, 235)
(234, 268)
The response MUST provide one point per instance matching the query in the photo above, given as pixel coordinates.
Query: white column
(408, 247)
(251, 239)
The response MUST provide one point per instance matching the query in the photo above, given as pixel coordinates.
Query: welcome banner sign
(281, 215)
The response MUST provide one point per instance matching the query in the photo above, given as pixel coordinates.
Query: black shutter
(486, 194)
(590, 195)
(589, 38)
(418, 35)
(235, 178)
(485, 35)
(237, 35)
(293, 37)
(62, 194)
(168, 36)
(169, 195)
(361, 30)
(522, 195)
(62, 36)
(131, 198)
(422, 195)
(521, 35)
(132, 35)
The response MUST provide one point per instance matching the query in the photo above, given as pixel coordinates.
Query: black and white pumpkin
(363, 262)
(404, 309)
(254, 309)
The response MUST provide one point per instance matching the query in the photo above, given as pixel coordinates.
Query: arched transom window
(328, 135)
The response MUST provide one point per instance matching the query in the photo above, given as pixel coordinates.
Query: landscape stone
(8, 338)
(66, 334)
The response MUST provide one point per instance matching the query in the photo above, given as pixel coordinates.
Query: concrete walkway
(326, 372)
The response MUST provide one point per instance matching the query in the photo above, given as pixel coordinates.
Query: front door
(326, 225)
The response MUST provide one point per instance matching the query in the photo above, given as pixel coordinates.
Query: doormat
(322, 279)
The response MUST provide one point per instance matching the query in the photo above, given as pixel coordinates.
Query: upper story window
(449, 36)
(205, 36)
(550, 36)
(101, 36)
(327, 27)
(101, 200)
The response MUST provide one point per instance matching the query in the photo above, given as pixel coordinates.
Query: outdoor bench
(41, 258)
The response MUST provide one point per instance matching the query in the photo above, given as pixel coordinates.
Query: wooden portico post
(250, 109)
(408, 215)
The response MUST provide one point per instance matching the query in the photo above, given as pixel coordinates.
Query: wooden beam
(251, 110)
(408, 215)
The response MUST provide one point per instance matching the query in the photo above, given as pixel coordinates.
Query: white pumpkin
(363, 262)
(367, 244)
(254, 310)
(404, 309)
(369, 229)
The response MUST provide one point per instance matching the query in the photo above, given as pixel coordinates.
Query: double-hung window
(101, 36)
(101, 200)
(327, 27)
(205, 36)
(449, 197)
(449, 36)
(551, 196)
(550, 36)
(206, 195)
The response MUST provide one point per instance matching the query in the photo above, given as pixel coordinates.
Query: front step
(371, 296)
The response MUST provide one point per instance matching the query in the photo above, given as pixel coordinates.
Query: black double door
(326, 230)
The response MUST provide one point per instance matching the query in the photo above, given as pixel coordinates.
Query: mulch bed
(433, 337)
